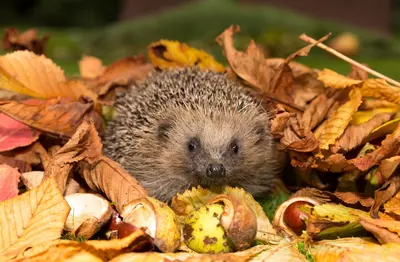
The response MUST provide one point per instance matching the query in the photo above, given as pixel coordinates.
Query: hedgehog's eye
(193, 144)
(234, 147)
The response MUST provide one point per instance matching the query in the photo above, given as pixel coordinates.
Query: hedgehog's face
(218, 149)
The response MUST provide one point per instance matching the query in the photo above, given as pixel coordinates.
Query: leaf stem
(310, 40)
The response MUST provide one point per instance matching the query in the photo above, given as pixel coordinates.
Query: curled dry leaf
(297, 137)
(355, 135)
(159, 220)
(28, 40)
(119, 75)
(89, 212)
(59, 117)
(27, 73)
(90, 67)
(380, 89)
(358, 73)
(392, 207)
(39, 217)
(370, 104)
(15, 134)
(167, 54)
(388, 166)
(100, 173)
(338, 121)
(384, 193)
(385, 231)
(9, 178)
(32, 155)
(332, 79)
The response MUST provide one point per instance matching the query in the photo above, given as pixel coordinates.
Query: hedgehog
(187, 127)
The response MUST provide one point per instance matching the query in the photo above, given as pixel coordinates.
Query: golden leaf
(338, 122)
(378, 88)
(34, 218)
(169, 54)
(27, 73)
(332, 79)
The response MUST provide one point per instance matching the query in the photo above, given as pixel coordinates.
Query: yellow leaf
(378, 88)
(27, 73)
(338, 122)
(168, 54)
(34, 218)
(363, 116)
(332, 79)
(384, 129)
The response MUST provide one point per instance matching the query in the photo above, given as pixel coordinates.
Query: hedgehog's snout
(215, 170)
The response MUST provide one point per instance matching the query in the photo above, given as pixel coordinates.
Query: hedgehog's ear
(163, 129)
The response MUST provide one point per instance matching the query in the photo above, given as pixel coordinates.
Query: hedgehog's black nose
(215, 170)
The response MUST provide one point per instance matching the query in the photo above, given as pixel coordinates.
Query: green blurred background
(105, 29)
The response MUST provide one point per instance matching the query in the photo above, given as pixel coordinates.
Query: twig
(310, 40)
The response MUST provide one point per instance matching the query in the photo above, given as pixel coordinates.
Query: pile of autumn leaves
(329, 123)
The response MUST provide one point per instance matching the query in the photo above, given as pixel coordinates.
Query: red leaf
(15, 134)
(9, 178)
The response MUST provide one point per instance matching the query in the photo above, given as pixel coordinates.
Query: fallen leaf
(9, 178)
(100, 173)
(27, 73)
(380, 89)
(386, 231)
(104, 250)
(363, 116)
(38, 217)
(353, 198)
(59, 117)
(337, 123)
(90, 67)
(331, 250)
(358, 73)
(332, 79)
(32, 179)
(384, 193)
(167, 54)
(278, 123)
(369, 104)
(384, 253)
(14, 134)
(119, 75)
(297, 137)
(306, 87)
(392, 207)
(388, 166)
(28, 40)
(355, 135)
(34, 154)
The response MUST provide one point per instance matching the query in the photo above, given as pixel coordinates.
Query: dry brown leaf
(338, 122)
(388, 166)
(353, 198)
(21, 165)
(392, 207)
(358, 73)
(332, 79)
(355, 135)
(91, 67)
(369, 104)
(120, 74)
(28, 40)
(335, 163)
(101, 173)
(386, 231)
(32, 155)
(384, 193)
(297, 137)
(278, 123)
(33, 218)
(59, 117)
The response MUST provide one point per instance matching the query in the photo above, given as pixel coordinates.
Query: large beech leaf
(33, 218)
